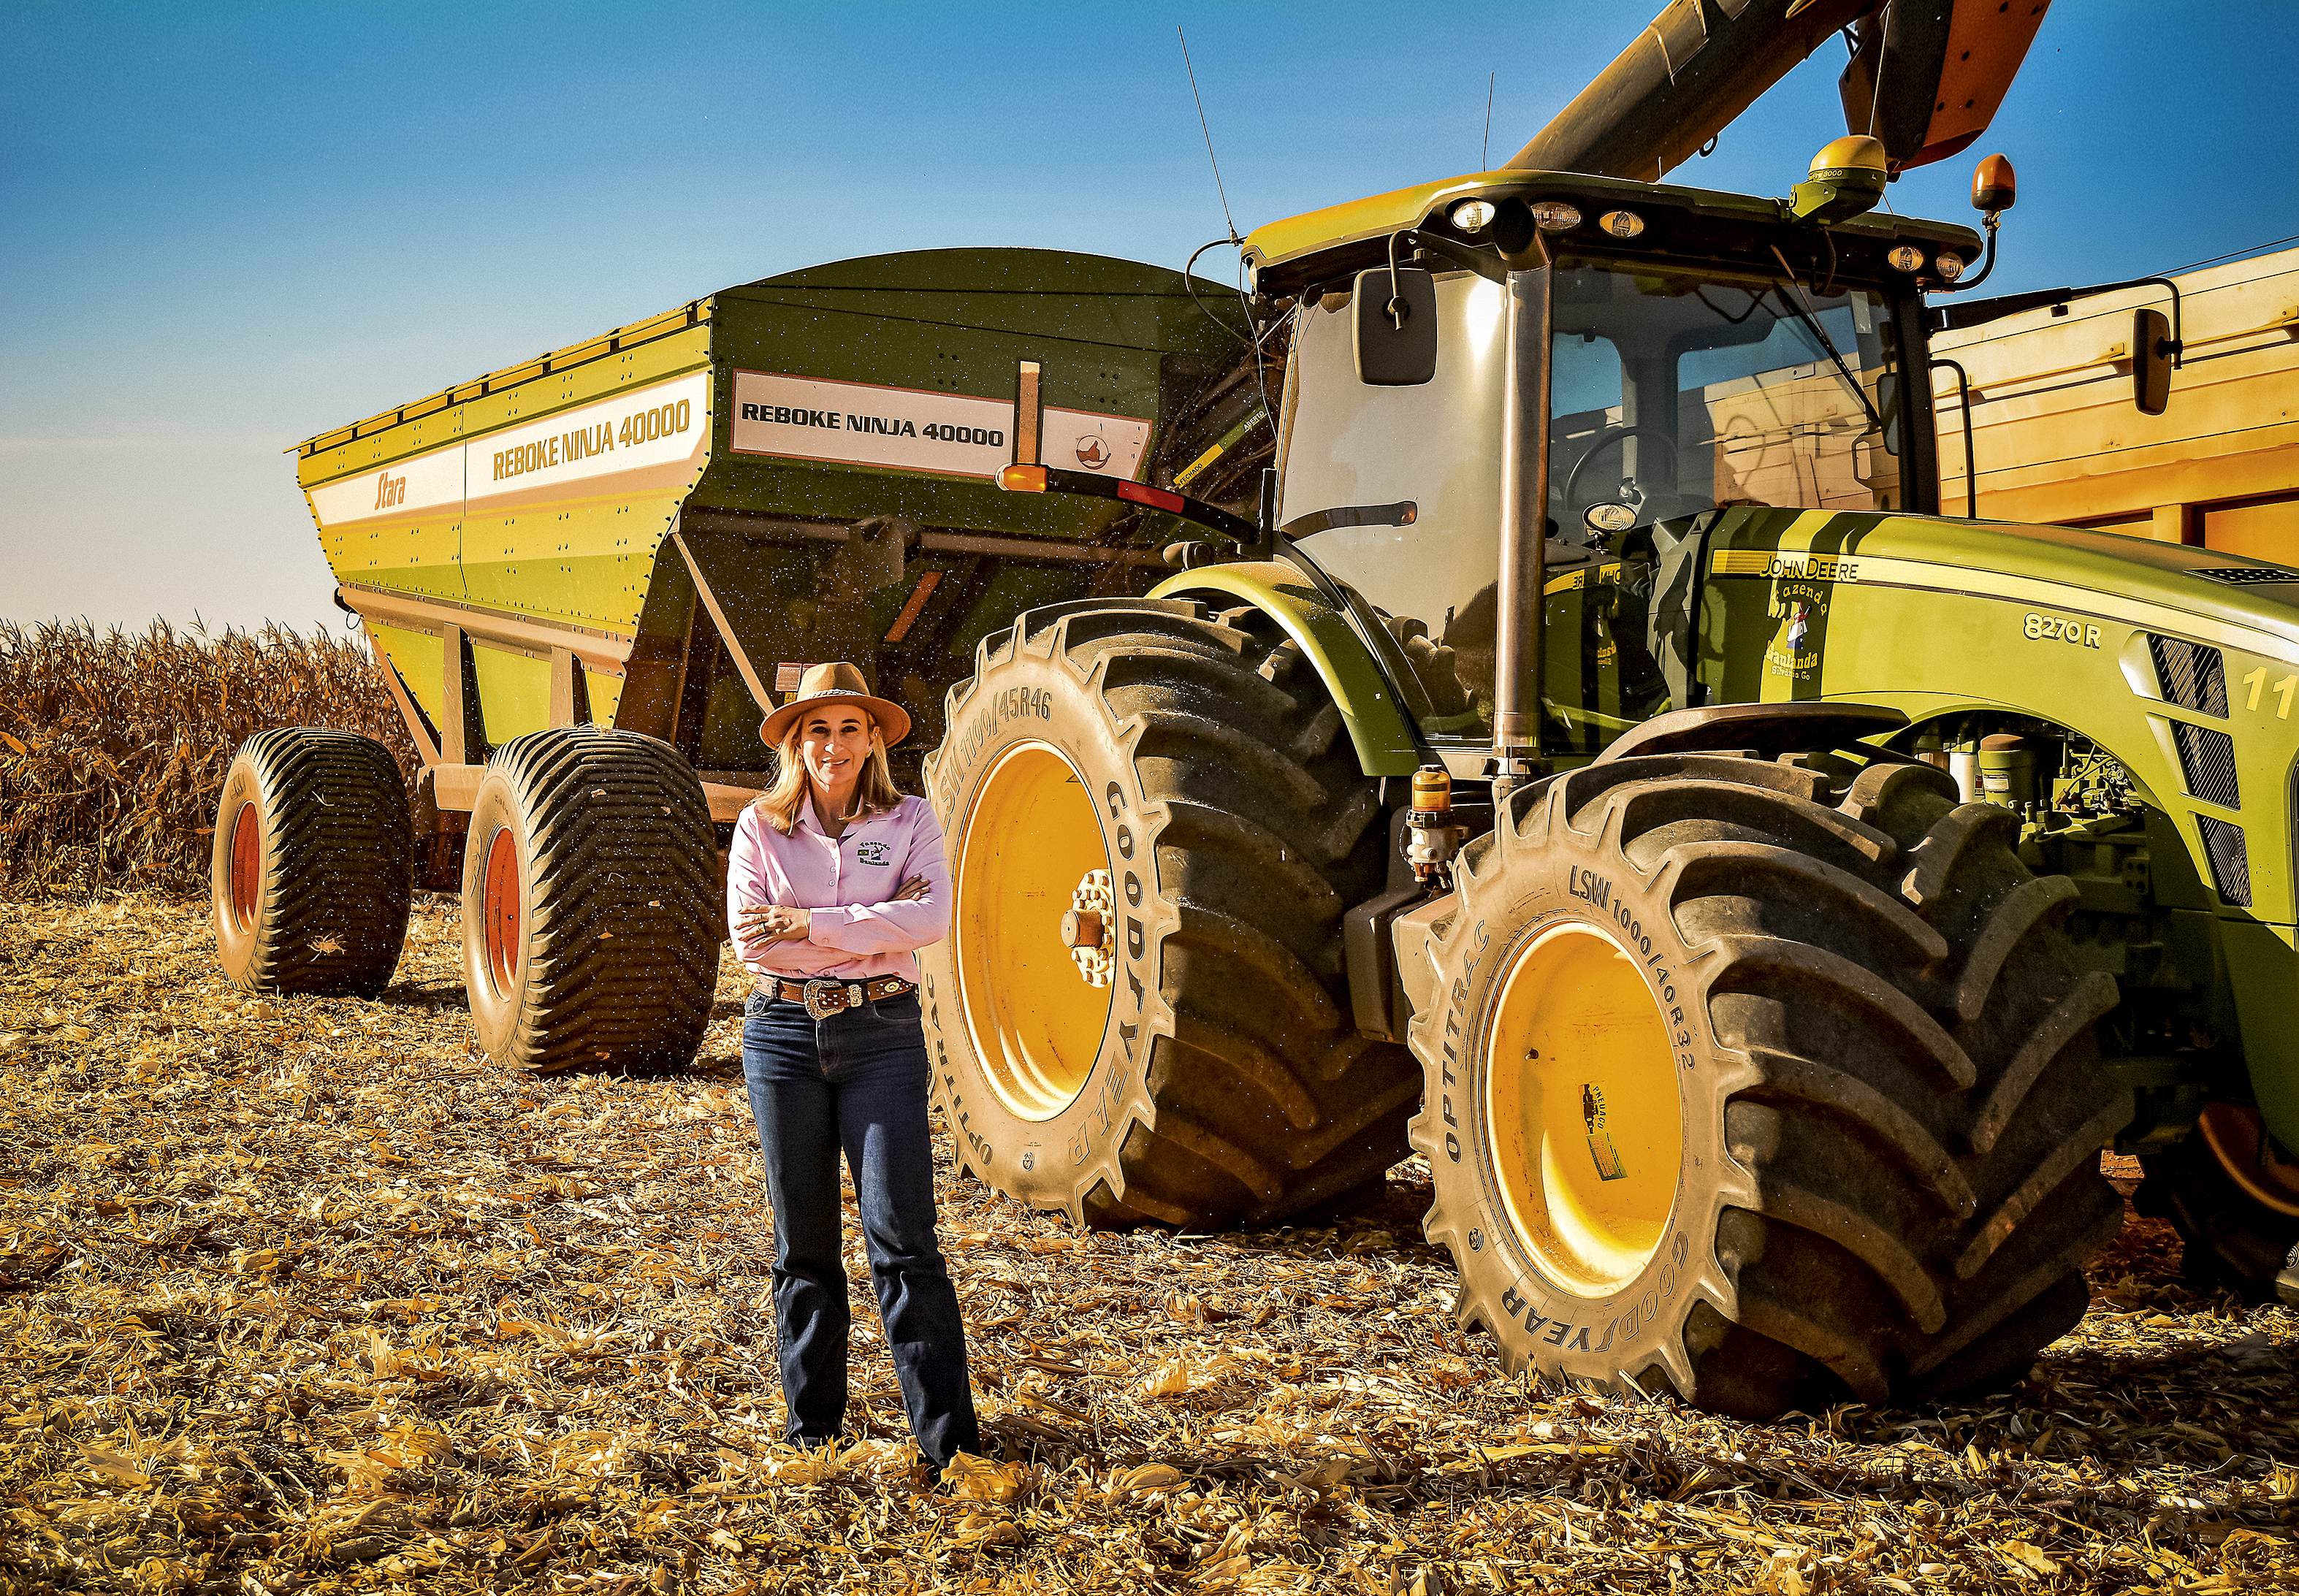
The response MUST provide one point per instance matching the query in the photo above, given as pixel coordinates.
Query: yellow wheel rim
(1584, 1125)
(1036, 1024)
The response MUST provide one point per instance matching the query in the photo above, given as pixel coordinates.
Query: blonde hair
(874, 792)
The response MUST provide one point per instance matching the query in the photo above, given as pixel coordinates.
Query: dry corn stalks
(113, 745)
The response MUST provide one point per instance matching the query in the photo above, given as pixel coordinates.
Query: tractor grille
(2207, 758)
(2230, 863)
(2194, 677)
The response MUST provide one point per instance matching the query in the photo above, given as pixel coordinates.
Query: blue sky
(225, 226)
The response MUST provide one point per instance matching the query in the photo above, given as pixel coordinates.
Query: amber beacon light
(1993, 185)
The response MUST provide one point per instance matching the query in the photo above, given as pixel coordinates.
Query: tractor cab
(1644, 353)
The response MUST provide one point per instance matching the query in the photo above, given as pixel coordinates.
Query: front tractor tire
(1154, 821)
(310, 868)
(1770, 1087)
(590, 903)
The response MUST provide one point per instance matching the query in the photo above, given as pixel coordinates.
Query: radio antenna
(1484, 150)
(1208, 132)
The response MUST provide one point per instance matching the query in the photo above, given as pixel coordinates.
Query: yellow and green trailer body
(656, 528)
(2055, 437)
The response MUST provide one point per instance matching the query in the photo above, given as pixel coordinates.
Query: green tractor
(1600, 767)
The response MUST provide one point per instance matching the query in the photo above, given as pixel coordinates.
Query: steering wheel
(1606, 437)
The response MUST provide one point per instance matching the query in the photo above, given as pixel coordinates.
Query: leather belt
(823, 997)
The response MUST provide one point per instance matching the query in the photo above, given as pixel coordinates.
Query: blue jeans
(857, 1081)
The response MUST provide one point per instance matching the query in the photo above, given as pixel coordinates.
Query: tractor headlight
(1555, 216)
(1949, 265)
(1621, 224)
(1907, 257)
(1472, 216)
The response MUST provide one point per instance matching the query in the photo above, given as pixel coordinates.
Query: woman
(835, 1057)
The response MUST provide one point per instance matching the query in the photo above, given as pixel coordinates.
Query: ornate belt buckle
(826, 998)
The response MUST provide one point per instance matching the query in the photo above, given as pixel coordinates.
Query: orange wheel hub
(246, 866)
(2238, 1139)
(502, 910)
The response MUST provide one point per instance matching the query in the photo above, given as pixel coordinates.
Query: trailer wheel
(310, 865)
(1763, 1088)
(1155, 821)
(590, 903)
(2233, 1196)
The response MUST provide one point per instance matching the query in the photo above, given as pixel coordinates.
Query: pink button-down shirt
(847, 881)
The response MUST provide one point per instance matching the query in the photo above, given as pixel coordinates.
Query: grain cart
(585, 575)
(1768, 894)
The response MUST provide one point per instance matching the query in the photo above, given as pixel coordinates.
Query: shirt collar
(812, 821)
(808, 819)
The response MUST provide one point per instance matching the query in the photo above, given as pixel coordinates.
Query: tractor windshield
(1672, 392)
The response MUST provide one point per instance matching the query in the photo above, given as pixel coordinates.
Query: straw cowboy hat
(836, 683)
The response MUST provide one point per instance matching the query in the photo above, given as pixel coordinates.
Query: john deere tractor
(1602, 768)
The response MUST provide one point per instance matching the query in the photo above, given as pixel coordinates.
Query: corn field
(114, 744)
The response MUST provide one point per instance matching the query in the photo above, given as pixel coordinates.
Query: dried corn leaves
(299, 1295)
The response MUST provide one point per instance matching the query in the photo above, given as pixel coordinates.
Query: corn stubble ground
(303, 1295)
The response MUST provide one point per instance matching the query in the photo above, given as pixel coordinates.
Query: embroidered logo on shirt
(874, 853)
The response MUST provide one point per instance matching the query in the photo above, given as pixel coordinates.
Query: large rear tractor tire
(310, 869)
(1154, 821)
(2233, 1196)
(1769, 1087)
(590, 903)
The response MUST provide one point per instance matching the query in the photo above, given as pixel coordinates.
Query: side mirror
(1396, 332)
(1888, 406)
(2152, 349)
